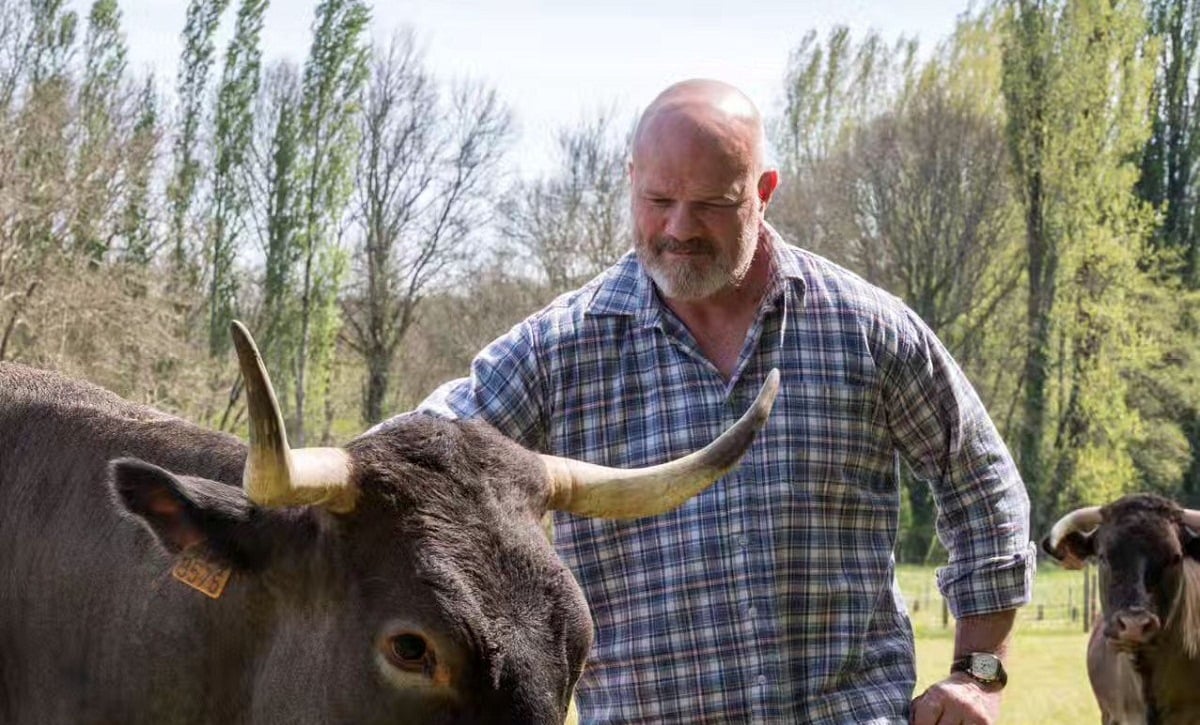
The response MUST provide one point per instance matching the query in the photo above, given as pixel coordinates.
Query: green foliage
(195, 63)
(1076, 87)
(333, 78)
(1169, 156)
(53, 30)
(280, 229)
(234, 125)
(831, 87)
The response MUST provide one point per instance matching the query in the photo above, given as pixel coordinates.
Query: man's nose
(681, 222)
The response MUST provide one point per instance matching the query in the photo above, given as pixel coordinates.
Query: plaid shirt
(771, 597)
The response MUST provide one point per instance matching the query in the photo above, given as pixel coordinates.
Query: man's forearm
(984, 633)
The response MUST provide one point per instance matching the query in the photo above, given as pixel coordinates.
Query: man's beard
(707, 270)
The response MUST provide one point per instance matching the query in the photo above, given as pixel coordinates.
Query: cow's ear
(184, 511)
(1074, 549)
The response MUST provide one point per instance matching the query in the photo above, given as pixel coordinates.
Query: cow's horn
(1191, 519)
(587, 489)
(1083, 519)
(275, 475)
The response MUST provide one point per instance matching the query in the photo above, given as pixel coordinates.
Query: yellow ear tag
(195, 570)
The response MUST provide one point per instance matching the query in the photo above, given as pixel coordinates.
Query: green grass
(1047, 673)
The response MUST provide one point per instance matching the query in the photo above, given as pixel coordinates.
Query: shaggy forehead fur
(467, 504)
(1143, 515)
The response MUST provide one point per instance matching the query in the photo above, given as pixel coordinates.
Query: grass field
(1047, 676)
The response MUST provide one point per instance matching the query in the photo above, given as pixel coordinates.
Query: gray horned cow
(152, 571)
(1143, 656)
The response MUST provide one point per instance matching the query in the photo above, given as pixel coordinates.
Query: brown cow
(1144, 653)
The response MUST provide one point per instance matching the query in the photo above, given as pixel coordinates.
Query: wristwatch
(984, 667)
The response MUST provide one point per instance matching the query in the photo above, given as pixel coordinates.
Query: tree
(928, 214)
(425, 168)
(830, 90)
(274, 177)
(98, 159)
(1169, 156)
(51, 45)
(1076, 85)
(233, 133)
(136, 224)
(35, 162)
(329, 104)
(194, 67)
(574, 223)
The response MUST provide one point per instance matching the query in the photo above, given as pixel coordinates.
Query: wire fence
(1062, 600)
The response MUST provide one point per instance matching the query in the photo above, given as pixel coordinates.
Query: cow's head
(1146, 548)
(407, 577)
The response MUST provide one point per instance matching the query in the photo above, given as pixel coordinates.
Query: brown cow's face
(436, 600)
(1139, 548)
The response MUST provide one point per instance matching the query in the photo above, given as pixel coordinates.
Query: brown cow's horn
(276, 475)
(616, 493)
(1191, 519)
(1083, 519)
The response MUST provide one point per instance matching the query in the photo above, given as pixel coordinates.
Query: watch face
(985, 666)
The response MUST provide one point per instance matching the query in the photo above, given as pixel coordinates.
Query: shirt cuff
(990, 585)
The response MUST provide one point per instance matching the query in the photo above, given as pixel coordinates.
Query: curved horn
(587, 489)
(275, 475)
(1191, 519)
(1078, 520)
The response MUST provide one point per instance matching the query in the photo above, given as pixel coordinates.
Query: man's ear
(184, 511)
(768, 182)
(1074, 549)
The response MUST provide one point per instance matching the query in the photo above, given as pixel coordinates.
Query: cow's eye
(408, 647)
(407, 650)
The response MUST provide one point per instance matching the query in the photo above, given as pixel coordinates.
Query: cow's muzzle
(1132, 628)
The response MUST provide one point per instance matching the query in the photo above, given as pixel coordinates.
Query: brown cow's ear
(184, 511)
(1073, 551)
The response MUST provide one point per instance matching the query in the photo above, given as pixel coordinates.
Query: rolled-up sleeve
(945, 435)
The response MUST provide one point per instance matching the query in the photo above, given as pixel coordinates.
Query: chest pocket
(840, 433)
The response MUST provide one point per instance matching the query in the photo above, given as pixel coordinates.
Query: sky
(556, 62)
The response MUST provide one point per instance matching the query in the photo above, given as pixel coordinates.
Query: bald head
(714, 113)
(699, 191)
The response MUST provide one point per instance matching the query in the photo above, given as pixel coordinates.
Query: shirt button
(751, 611)
(761, 679)
(743, 541)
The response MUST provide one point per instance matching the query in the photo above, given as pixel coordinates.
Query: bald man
(772, 596)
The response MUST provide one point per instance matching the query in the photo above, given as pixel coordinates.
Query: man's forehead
(662, 179)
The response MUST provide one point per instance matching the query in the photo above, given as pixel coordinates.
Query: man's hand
(956, 700)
